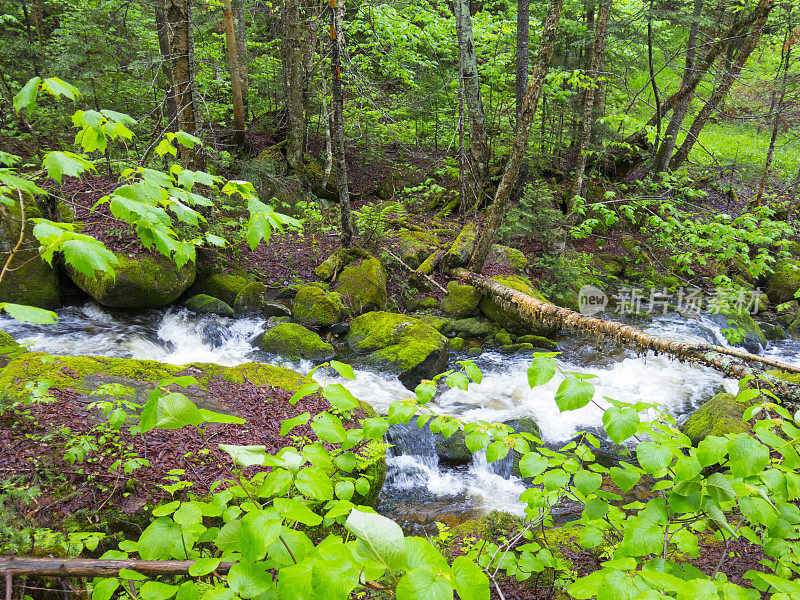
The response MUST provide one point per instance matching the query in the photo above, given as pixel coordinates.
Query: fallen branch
(731, 362)
(89, 567)
(420, 273)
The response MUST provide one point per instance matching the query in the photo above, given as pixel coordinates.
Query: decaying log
(88, 567)
(729, 361)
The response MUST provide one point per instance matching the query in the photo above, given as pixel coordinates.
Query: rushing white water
(415, 476)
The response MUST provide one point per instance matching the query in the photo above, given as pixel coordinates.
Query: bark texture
(87, 567)
(337, 42)
(293, 69)
(511, 172)
(233, 67)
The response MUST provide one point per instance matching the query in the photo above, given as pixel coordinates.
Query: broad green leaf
(130, 575)
(345, 490)
(698, 589)
(250, 579)
(163, 539)
(29, 314)
(288, 424)
(304, 390)
(118, 117)
(496, 451)
(340, 397)
(471, 582)
(573, 394)
(374, 428)
(329, 428)
(541, 371)
(259, 529)
(653, 457)
(295, 510)
(89, 257)
(620, 423)
(747, 456)
(58, 164)
(532, 464)
(26, 98)
(58, 87)
(8, 178)
(155, 590)
(625, 479)
(203, 566)
(314, 483)
(211, 416)
(105, 588)
(425, 392)
(712, 450)
(245, 456)
(343, 369)
(381, 536)
(187, 140)
(458, 380)
(176, 410)
(424, 584)
(586, 481)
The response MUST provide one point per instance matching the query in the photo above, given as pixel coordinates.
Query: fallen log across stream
(729, 361)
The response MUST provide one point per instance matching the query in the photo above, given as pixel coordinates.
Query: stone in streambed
(404, 344)
(295, 342)
(316, 306)
(203, 304)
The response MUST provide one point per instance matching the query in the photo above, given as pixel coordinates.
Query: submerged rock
(294, 342)
(203, 304)
(400, 343)
(719, 416)
(148, 282)
(252, 300)
(316, 306)
(31, 280)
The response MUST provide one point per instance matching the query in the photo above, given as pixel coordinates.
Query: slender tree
(337, 100)
(511, 172)
(588, 103)
(292, 67)
(233, 68)
(243, 58)
(468, 65)
(166, 65)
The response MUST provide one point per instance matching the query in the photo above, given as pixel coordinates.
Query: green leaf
(304, 390)
(245, 456)
(295, 510)
(259, 529)
(345, 490)
(130, 575)
(187, 140)
(8, 178)
(339, 397)
(29, 314)
(471, 582)
(26, 97)
(458, 380)
(653, 457)
(250, 579)
(59, 87)
(472, 370)
(314, 483)
(424, 584)
(204, 566)
(712, 450)
(118, 117)
(698, 589)
(163, 539)
(155, 590)
(288, 424)
(573, 394)
(374, 428)
(343, 369)
(382, 537)
(620, 423)
(425, 392)
(176, 410)
(532, 464)
(586, 481)
(89, 257)
(747, 456)
(188, 514)
(58, 164)
(105, 588)
(329, 428)
(541, 371)
(623, 478)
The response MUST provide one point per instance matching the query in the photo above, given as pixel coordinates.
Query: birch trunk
(292, 67)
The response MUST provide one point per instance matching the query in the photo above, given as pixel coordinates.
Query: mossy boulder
(31, 280)
(339, 260)
(537, 341)
(362, 285)
(294, 342)
(419, 303)
(148, 282)
(754, 339)
(203, 304)
(220, 285)
(509, 257)
(453, 450)
(397, 181)
(469, 328)
(9, 349)
(316, 306)
(719, 416)
(609, 264)
(457, 344)
(461, 249)
(508, 319)
(416, 246)
(461, 300)
(404, 344)
(253, 299)
(784, 282)
(84, 374)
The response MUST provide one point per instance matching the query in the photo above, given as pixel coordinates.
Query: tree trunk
(88, 567)
(586, 119)
(293, 68)
(776, 106)
(731, 362)
(523, 50)
(179, 23)
(509, 179)
(233, 68)
(468, 64)
(241, 46)
(166, 62)
(326, 117)
(337, 42)
(748, 45)
(667, 146)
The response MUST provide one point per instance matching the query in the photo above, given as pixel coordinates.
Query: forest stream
(420, 488)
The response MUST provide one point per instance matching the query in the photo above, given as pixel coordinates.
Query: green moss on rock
(508, 319)
(339, 260)
(510, 257)
(9, 349)
(456, 343)
(397, 181)
(363, 286)
(784, 282)
(220, 285)
(461, 249)
(31, 280)
(719, 416)
(537, 341)
(150, 282)
(204, 304)
(401, 343)
(294, 342)
(461, 300)
(469, 328)
(252, 299)
(416, 246)
(316, 306)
